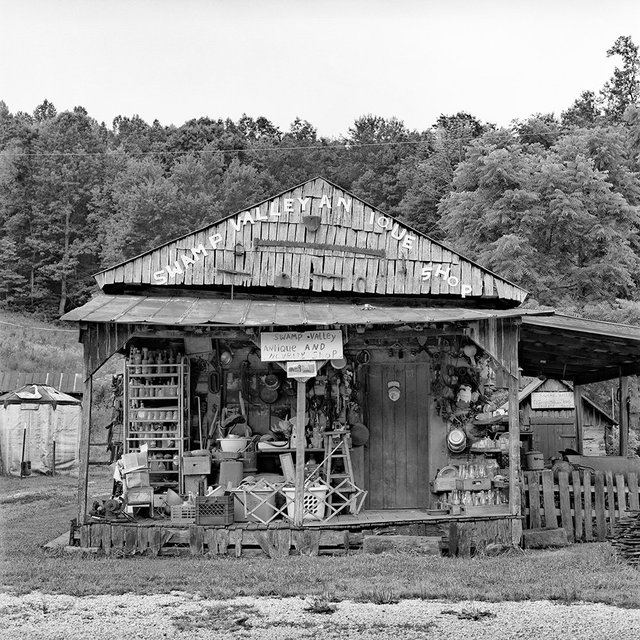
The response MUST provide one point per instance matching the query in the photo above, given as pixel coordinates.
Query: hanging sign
(283, 346)
(552, 400)
(302, 369)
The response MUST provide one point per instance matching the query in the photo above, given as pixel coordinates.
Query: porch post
(514, 447)
(298, 512)
(577, 400)
(85, 439)
(624, 416)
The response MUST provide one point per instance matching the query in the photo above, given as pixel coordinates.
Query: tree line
(550, 202)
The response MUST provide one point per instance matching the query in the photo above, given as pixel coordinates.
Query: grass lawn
(37, 509)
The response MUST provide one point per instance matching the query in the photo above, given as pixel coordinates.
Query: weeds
(472, 613)
(217, 618)
(380, 595)
(321, 604)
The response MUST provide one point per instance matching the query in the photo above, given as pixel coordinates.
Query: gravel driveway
(39, 616)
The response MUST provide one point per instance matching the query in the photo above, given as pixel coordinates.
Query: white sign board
(282, 346)
(302, 369)
(552, 400)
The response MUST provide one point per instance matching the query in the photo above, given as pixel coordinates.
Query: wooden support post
(515, 501)
(577, 400)
(85, 439)
(298, 513)
(624, 416)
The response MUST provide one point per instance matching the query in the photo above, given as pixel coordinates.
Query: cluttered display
(470, 404)
(219, 427)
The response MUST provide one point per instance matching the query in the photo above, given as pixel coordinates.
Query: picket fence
(586, 504)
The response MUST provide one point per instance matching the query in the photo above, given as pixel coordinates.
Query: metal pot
(268, 396)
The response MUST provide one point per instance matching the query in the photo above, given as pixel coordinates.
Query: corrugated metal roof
(65, 382)
(192, 311)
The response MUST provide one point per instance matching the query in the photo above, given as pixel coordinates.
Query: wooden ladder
(339, 472)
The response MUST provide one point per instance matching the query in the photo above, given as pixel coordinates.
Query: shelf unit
(156, 413)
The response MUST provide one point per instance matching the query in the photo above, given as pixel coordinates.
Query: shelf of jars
(156, 410)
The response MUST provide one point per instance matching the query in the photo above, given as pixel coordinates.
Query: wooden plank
(550, 519)
(117, 538)
(156, 540)
(611, 503)
(565, 505)
(95, 534)
(88, 345)
(196, 540)
(85, 536)
(306, 541)
(588, 506)
(621, 491)
(578, 514)
(535, 520)
(601, 523)
(143, 539)
(276, 543)
(634, 499)
(130, 538)
(106, 538)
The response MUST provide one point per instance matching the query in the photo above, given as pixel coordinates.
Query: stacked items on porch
(473, 488)
(133, 471)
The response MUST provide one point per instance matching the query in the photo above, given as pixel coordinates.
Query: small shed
(39, 419)
(548, 420)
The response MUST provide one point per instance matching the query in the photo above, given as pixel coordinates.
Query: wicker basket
(214, 510)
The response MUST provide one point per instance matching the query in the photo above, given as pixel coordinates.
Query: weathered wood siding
(586, 504)
(355, 249)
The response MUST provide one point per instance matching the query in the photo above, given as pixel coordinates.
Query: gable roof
(315, 237)
(37, 394)
(526, 391)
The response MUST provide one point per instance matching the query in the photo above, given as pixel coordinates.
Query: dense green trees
(552, 204)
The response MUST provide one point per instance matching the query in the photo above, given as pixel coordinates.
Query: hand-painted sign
(282, 346)
(552, 400)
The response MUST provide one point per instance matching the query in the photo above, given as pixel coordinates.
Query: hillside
(30, 345)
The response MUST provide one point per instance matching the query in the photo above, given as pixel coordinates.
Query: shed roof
(37, 394)
(568, 348)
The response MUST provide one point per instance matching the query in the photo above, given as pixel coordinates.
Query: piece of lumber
(545, 538)
(422, 545)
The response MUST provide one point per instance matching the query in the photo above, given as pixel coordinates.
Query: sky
(325, 61)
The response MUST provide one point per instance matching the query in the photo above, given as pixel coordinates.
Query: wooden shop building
(351, 353)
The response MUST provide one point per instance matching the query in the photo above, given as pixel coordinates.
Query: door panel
(550, 439)
(396, 457)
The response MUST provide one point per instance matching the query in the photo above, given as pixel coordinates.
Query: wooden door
(552, 435)
(396, 457)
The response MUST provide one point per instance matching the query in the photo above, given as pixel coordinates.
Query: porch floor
(365, 519)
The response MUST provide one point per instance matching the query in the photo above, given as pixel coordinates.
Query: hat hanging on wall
(339, 363)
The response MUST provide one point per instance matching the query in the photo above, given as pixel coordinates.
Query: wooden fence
(585, 504)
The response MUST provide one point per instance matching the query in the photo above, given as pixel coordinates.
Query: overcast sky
(326, 61)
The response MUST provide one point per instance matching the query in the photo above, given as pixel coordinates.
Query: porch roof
(202, 311)
(569, 348)
(550, 344)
